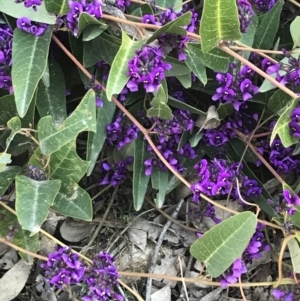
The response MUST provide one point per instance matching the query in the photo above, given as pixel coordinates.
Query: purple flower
(264, 5)
(147, 67)
(30, 3)
(31, 27)
(245, 14)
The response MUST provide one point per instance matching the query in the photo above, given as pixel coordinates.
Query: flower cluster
(225, 131)
(147, 68)
(6, 37)
(63, 268)
(167, 134)
(114, 174)
(280, 157)
(282, 296)
(254, 250)
(295, 121)
(91, 7)
(121, 4)
(236, 86)
(31, 27)
(30, 3)
(245, 14)
(173, 42)
(288, 203)
(287, 71)
(120, 132)
(218, 178)
(99, 279)
(264, 5)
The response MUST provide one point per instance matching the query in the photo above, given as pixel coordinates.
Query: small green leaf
(173, 102)
(194, 63)
(33, 200)
(295, 254)
(170, 3)
(278, 101)
(18, 10)
(86, 20)
(219, 21)
(282, 126)
(83, 118)
(195, 139)
(96, 140)
(58, 7)
(73, 201)
(294, 29)
(215, 59)
(160, 108)
(140, 180)
(29, 54)
(268, 27)
(118, 73)
(159, 180)
(4, 160)
(91, 32)
(178, 67)
(15, 125)
(173, 27)
(7, 175)
(185, 80)
(51, 100)
(220, 246)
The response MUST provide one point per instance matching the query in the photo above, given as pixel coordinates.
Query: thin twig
(157, 247)
(241, 290)
(100, 192)
(99, 227)
(182, 279)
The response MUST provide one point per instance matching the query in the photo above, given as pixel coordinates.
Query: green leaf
(170, 3)
(58, 7)
(91, 32)
(4, 160)
(282, 126)
(73, 201)
(140, 180)
(118, 73)
(173, 27)
(86, 20)
(220, 246)
(96, 140)
(46, 76)
(160, 108)
(295, 254)
(178, 67)
(106, 47)
(215, 59)
(195, 139)
(159, 180)
(173, 102)
(195, 64)
(29, 54)
(90, 58)
(52, 100)
(294, 29)
(268, 27)
(7, 175)
(21, 238)
(15, 125)
(278, 101)
(33, 200)
(225, 109)
(18, 10)
(185, 80)
(219, 21)
(83, 118)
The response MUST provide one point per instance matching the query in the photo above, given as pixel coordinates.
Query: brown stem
(261, 135)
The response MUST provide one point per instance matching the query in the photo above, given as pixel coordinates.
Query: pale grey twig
(159, 242)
